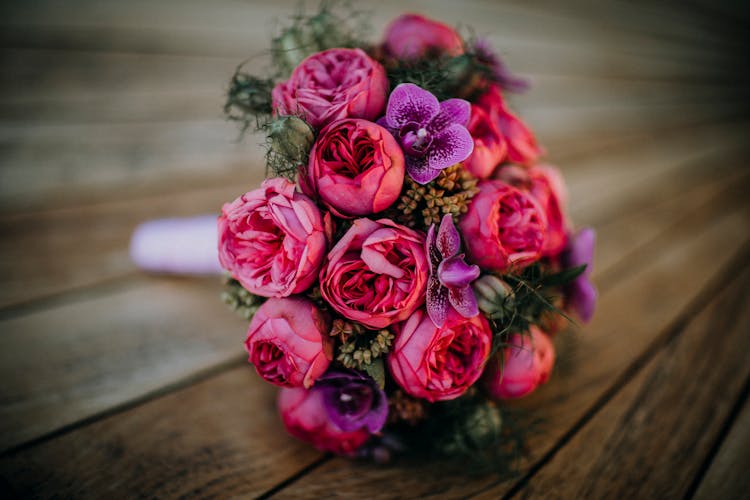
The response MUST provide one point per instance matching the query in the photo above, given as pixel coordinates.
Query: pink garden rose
(288, 342)
(521, 143)
(546, 185)
(412, 36)
(439, 363)
(305, 417)
(490, 148)
(376, 274)
(504, 227)
(272, 239)
(333, 84)
(528, 363)
(356, 168)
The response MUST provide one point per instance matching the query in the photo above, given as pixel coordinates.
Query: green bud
(492, 293)
(291, 138)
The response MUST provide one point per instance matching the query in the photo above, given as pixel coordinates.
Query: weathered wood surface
(117, 383)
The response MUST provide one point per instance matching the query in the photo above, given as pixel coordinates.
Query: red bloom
(331, 85)
(503, 227)
(356, 168)
(439, 363)
(412, 36)
(305, 417)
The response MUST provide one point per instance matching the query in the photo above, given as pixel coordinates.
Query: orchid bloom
(450, 275)
(581, 293)
(432, 134)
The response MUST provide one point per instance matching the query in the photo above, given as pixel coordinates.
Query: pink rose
(272, 240)
(546, 185)
(490, 147)
(412, 36)
(333, 84)
(439, 363)
(522, 147)
(288, 342)
(305, 417)
(376, 274)
(528, 363)
(503, 227)
(356, 168)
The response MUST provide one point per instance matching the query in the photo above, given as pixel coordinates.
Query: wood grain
(727, 476)
(222, 438)
(667, 417)
(74, 360)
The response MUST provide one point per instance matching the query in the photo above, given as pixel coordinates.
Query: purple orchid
(500, 72)
(353, 400)
(432, 134)
(450, 276)
(581, 293)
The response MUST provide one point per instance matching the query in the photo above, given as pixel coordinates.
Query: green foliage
(248, 100)
(335, 24)
(239, 299)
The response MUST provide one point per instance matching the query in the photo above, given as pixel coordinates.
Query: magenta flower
(500, 72)
(353, 400)
(432, 134)
(450, 275)
(581, 293)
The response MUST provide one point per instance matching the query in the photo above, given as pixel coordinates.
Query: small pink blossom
(331, 85)
(272, 239)
(376, 274)
(288, 342)
(503, 228)
(527, 363)
(439, 363)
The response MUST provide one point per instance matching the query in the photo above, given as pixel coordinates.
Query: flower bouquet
(408, 258)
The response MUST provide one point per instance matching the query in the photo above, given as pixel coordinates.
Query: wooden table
(116, 383)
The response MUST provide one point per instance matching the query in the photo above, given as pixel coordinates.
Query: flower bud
(494, 296)
(291, 138)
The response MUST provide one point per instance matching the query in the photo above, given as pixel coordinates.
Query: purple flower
(353, 400)
(581, 293)
(450, 275)
(432, 134)
(500, 72)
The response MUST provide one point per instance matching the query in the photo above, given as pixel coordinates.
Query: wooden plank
(47, 253)
(655, 290)
(227, 27)
(139, 434)
(650, 440)
(220, 437)
(68, 362)
(61, 262)
(727, 475)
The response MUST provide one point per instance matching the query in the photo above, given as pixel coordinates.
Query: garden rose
(288, 342)
(546, 185)
(272, 239)
(490, 147)
(412, 36)
(521, 143)
(333, 84)
(439, 363)
(305, 417)
(503, 227)
(528, 363)
(376, 274)
(356, 168)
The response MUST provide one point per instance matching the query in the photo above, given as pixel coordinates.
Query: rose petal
(410, 103)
